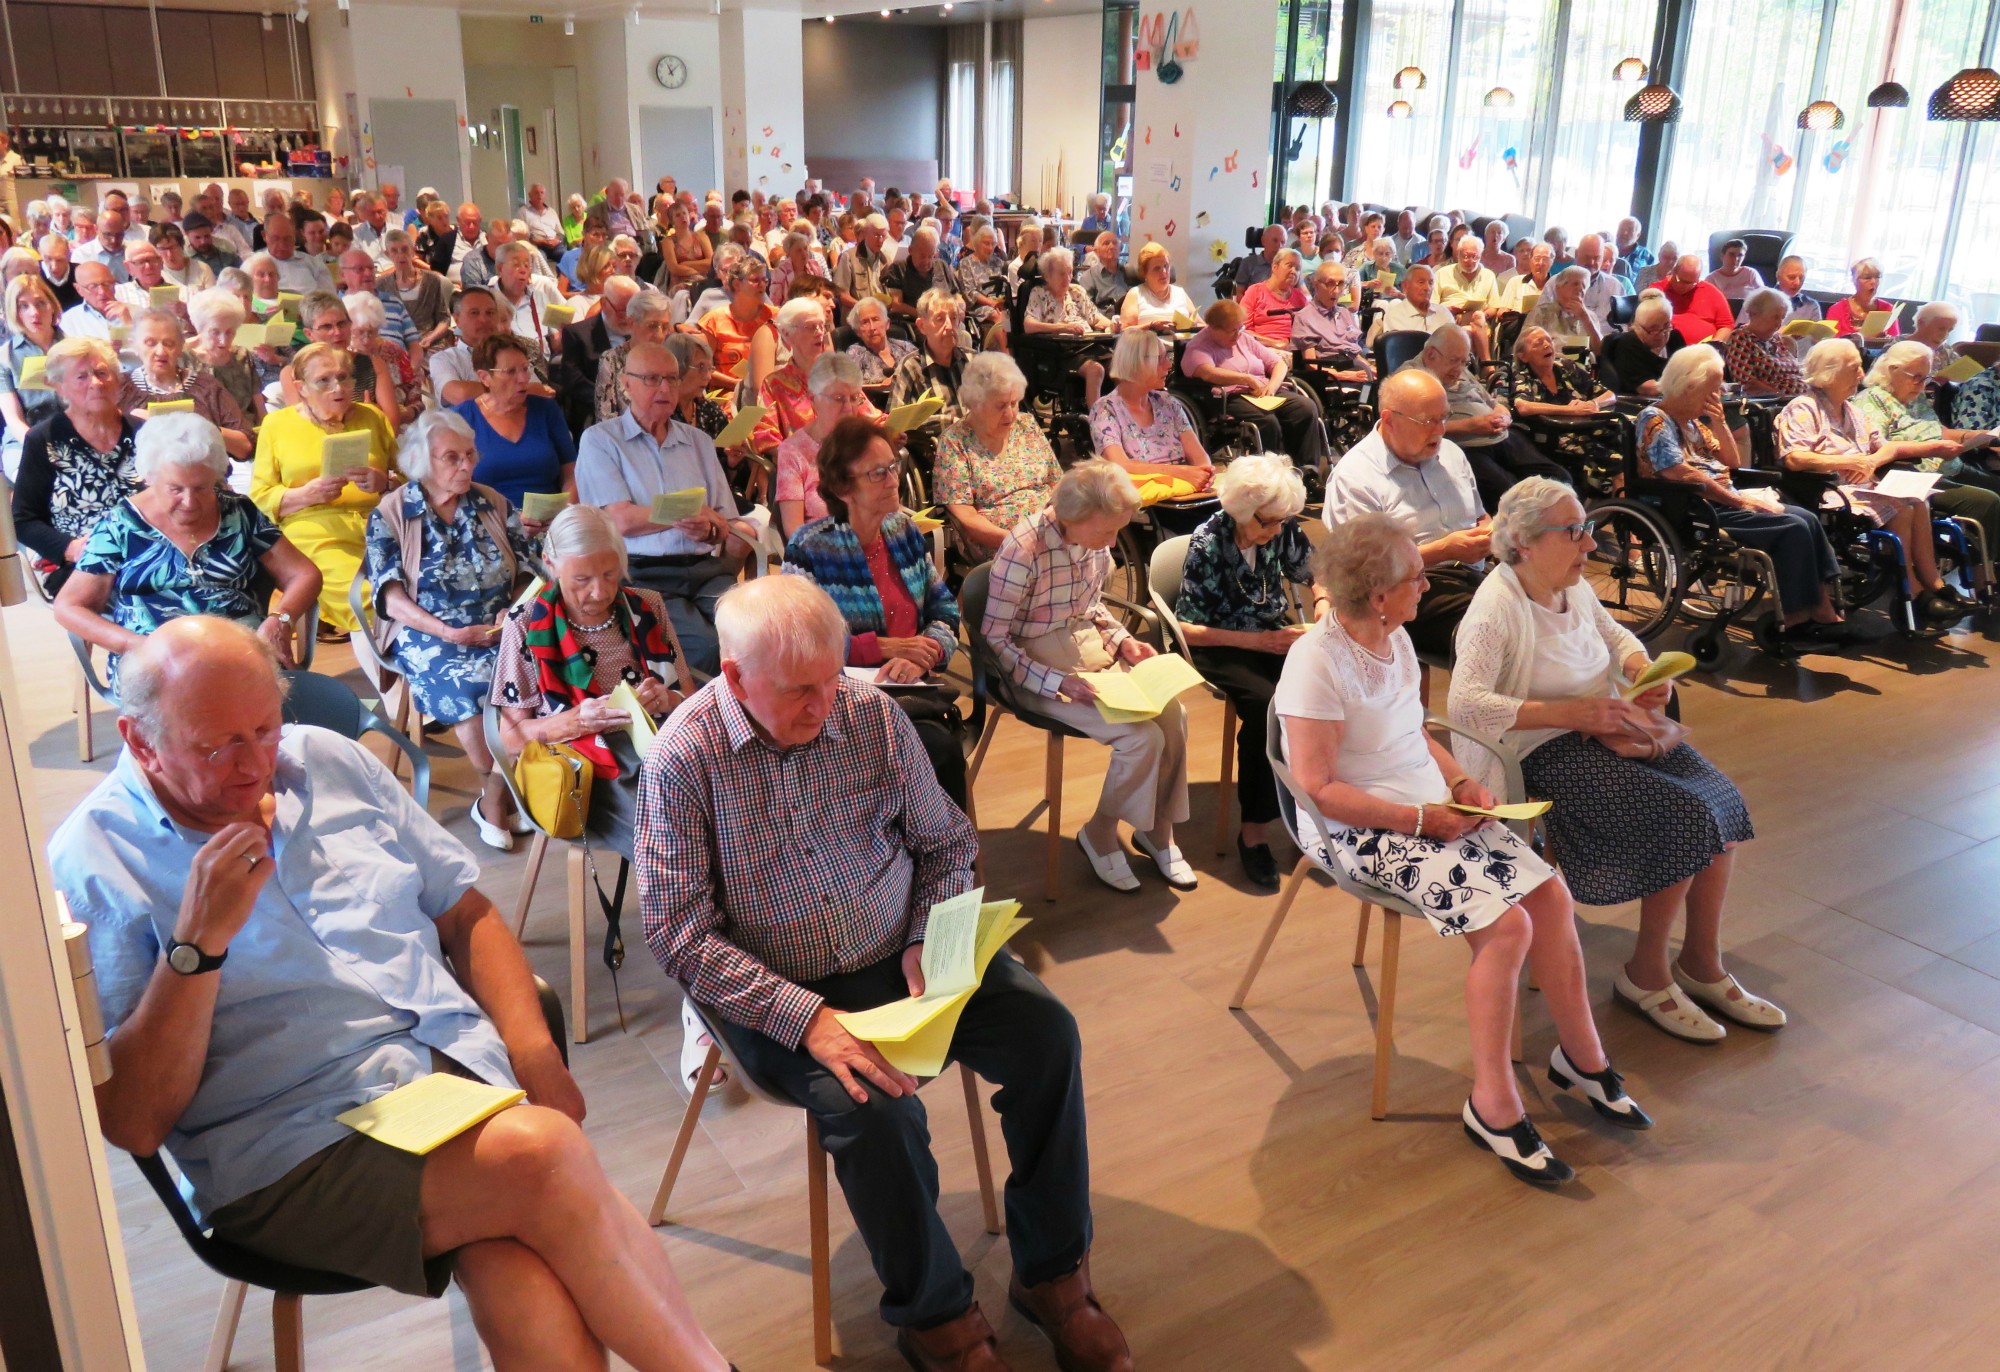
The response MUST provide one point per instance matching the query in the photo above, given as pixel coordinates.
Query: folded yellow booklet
(1185, 322)
(163, 297)
(34, 375)
(739, 429)
(1809, 328)
(904, 418)
(1665, 667)
(1962, 370)
(160, 407)
(543, 506)
(644, 731)
(960, 939)
(1527, 809)
(1154, 488)
(341, 453)
(430, 1111)
(288, 305)
(671, 507)
(556, 316)
(1877, 322)
(927, 520)
(1143, 691)
(1265, 402)
(528, 592)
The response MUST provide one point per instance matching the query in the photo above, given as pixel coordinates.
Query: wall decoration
(1780, 160)
(1470, 155)
(1165, 41)
(1218, 251)
(1836, 155)
(1229, 162)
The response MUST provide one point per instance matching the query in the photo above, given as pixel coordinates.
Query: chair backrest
(367, 656)
(1395, 348)
(1623, 309)
(711, 1025)
(330, 703)
(1763, 249)
(32, 574)
(1163, 582)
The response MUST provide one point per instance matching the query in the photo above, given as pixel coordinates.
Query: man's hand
(547, 1082)
(851, 1061)
(223, 882)
(913, 968)
(1280, 641)
(1132, 652)
(1077, 689)
(1468, 545)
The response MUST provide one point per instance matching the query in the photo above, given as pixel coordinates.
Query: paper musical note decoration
(1229, 162)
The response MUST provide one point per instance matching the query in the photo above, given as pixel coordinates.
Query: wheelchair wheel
(1635, 570)
(1769, 633)
(1705, 647)
(1130, 557)
(1871, 567)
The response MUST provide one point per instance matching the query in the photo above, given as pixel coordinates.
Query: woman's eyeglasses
(877, 475)
(1577, 532)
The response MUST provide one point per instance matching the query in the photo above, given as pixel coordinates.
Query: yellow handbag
(554, 780)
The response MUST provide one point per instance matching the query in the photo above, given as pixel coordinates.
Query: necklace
(596, 628)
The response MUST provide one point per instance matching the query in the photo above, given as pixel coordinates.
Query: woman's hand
(321, 490)
(900, 670)
(1078, 690)
(474, 636)
(597, 714)
(75, 550)
(1280, 641)
(278, 634)
(1202, 477)
(371, 479)
(534, 528)
(922, 651)
(658, 697)
(1466, 791)
(1712, 411)
(1132, 652)
(1608, 717)
(1445, 825)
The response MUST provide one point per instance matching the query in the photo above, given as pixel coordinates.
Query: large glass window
(1589, 154)
(1306, 177)
(1396, 163)
(1501, 45)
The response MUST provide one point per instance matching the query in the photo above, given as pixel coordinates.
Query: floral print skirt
(1462, 885)
(450, 682)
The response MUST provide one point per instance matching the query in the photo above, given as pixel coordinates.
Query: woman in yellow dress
(325, 517)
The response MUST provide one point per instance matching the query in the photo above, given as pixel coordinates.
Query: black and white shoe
(1604, 1090)
(1520, 1147)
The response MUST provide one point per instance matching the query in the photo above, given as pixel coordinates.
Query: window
(961, 104)
(1501, 43)
(1585, 162)
(1396, 162)
(1308, 177)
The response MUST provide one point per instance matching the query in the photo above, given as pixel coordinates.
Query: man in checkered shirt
(792, 838)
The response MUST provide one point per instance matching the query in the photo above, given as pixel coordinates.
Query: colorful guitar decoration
(1836, 155)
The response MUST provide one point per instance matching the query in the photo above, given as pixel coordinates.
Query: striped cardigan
(827, 551)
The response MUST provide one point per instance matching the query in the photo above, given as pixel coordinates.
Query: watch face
(670, 72)
(185, 958)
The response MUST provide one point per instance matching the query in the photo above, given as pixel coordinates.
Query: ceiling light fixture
(1972, 96)
(1400, 109)
(1821, 115)
(1410, 79)
(1630, 72)
(1499, 98)
(1890, 95)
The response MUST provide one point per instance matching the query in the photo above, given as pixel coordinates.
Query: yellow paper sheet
(644, 731)
(119, 333)
(738, 430)
(430, 1111)
(543, 506)
(1145, 690)
(288, 304)
(904, 418)
(671, 507)
(1665, 667)
(555, 316)
(249, 336)
(160, 407)
(34, 375)
(529, 592)
(163, 297)
(923, 1032)
(1808, 328)
(1154, 488)
(340, 454)
(1385, 281)
(1877, 322)
(1962, 370)
(1185, 322)
(927, 520)
(278, 333)
(1527, 809)
(1265, 402)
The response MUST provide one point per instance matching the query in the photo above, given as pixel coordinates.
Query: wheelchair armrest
(1750, 478)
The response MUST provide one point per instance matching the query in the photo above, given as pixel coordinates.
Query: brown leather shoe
(965, 1344)
(1086, 1339)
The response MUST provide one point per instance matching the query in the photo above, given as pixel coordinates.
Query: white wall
(1061, 84)
(1195, 126)
(696, 42)
(393, 52)
(610, 137)
(513, 62)
(763, 88)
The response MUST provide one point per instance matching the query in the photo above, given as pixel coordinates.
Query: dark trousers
(690, 588)
(1443, 605)
(1293, 428)
(1496, 467)
(1248, 678)
(1013, 1033)
(1800, 553)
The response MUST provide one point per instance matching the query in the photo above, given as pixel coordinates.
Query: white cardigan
(1496, 651)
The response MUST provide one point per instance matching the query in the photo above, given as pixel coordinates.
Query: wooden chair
(409, 716)
(1293, 803)
(992, 688)
(241, 1269)
(719, 1057)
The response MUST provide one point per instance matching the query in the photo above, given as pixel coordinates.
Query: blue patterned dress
(463, 581)
(152, 581)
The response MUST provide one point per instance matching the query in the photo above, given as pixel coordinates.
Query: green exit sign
(534, 19)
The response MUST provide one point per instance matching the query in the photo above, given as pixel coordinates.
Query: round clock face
(670, 72)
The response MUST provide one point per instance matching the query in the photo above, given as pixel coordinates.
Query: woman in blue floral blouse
(183, 545)
(442, 559)
(1235, 609)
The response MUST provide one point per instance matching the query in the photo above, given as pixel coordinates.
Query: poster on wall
(129, 189)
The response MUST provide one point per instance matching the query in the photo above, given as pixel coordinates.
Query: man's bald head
(1414, 411)
(1446, 352)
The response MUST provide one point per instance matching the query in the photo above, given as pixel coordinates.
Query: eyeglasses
(264, 740)
(878, 475)
(1577, 532)
(654, 378)
(1420, 421)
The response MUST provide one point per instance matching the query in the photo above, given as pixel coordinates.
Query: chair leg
(822, 1255)
(536, 852)
(979, 752)
(1052, 780)
(226, 1318)
(579, 994)
(1361, 936)
(1515, 1046)
(981, 1161)
(710, 1065)
(1225, 788)
(86, 746)
(288, 1332)
(1300, 870)
(1385, 1019)
(402, 725)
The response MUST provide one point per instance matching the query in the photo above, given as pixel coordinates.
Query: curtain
(961, 105)
(1001, 167)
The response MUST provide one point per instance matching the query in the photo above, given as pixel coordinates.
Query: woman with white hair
(1895, 390)
(994, 467)
(217, 315)
(1637, 357)
(1684, 437)
(566, 649)
(1565, 313)
(1058, 305)
(166, 376)
(1046, 624)
(1353, 732)
(77, 463)
(1758, 357)
(835, 384)
(366, 318)
(874, 351)
(982, 280)
(524, 297)
(1825, 431)
(183, 545)
(1543, 667)
(444, 553)
(424, 293)
(794, 260)
(1849, 315)
(1270, 305)
(1140, 425)
(1933, 326)
(1235, 608)
(804, 328)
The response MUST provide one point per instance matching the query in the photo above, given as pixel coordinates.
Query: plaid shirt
(760, 867)
(1042, 581)
(1769, 364)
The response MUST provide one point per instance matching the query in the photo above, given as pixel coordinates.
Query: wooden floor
(1824, 1198)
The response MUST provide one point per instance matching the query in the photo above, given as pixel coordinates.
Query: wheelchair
(1346, 407)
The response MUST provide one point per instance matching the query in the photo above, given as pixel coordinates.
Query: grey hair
(507, 251)
(647, 306)
(797, 311)
(794, 241)
(1579, 275)
(876, 221)
(867, 304)
(1653, 305)
(179, 440)
(1898, 354)
(988, 376)
(1052, 256)
(734, 271)
(392, 237)
(927, 232)
(364, 309)
(580, 530)
(934, 300)
(1137, 353)
(1687, 369)
(1522, 516)
(1298, 259)
(1766, 300)
(778, 621)
(144, 671)
(1527, 332)
(1861, 265)
(250, 263)
(153, 314)
(1093, 488)
(1364, 555)
(1827, 356)
(413, 453)
(1931, 309)
(234, 280)
(318, 303)
(67, 352)
(1259, 482)
(686, 347)
(1445, 331)
(832, 368)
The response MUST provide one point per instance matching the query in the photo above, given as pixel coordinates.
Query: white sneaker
(1111, 868)
(1173, 866)
(491, 834)
(1671, 1008)
(1730, 999)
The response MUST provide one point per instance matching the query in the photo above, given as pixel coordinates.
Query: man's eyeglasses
(1577, 532)
(654, 378)
(264, 740)
(1420, 421)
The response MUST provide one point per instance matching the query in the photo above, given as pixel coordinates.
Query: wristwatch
(282, 618)
(190, 961)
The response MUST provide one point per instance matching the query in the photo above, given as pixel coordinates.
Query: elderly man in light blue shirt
(624, 462)
(280, 934)
(1407, 468)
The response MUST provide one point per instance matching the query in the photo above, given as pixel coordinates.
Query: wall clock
(671, 72)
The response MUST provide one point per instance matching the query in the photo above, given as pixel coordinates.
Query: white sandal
(695, 1044)
(1111, 868)
(1670, 1008)
(1730, 999)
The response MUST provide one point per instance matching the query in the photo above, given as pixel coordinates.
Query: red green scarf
(565, 666)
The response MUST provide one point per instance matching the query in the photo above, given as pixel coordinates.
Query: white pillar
(763, 101)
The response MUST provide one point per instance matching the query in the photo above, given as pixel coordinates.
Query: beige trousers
(1146, 783)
